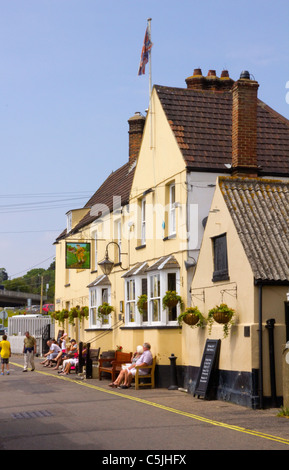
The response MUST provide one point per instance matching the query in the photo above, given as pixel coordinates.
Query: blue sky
(69, 83)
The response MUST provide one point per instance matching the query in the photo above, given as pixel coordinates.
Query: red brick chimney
(136, 127)
(244, 127)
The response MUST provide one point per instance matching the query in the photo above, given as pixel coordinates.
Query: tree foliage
(31, 282)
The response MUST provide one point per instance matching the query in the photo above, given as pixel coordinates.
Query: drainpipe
(270, 328)
(260, 347)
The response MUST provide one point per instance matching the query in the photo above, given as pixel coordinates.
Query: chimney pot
(197, 72)
(245, 74)
(225, 74)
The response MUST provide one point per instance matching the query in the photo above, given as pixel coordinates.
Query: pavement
(270, 430)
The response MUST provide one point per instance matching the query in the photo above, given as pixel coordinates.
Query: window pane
(93, 312)
(131, 290)
(144, 286)
(155, 286)
(104, 295)
(172, 285)
(156, 310)
(131, 311)
(220, 258)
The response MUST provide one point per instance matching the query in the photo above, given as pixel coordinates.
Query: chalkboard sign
(207, 371)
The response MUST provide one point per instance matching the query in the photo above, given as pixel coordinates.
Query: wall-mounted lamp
(107, 265)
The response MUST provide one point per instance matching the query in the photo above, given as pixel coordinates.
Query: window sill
(170, 237)
(220, 277)
(97, 328)
(140, 247)
(150, 327)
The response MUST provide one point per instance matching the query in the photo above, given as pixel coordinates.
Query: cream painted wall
(156, 168)
(238, 293)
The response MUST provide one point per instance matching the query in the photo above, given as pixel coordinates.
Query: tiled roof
(137, 270)
(260, 211)
(165, 262)
(102, 280)
(202, 124)
(118, 184)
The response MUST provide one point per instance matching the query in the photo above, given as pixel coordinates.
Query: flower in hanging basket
(104, 309)
(83, 313)
(142, 303)
(192, 317)
(171, 299)
(221, 314)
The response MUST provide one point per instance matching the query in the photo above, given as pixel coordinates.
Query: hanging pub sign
(77, 255)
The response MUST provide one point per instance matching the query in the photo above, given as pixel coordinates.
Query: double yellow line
(170, 410)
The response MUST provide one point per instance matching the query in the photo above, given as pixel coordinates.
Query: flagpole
(150, 62)
(150, 81)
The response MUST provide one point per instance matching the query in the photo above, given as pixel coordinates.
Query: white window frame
(117, 237)
(172, 209)
(152, 298)
(163, 315)
(95, 251)
(69, 221)
(95, 300)
(143, 221)
(130, 301)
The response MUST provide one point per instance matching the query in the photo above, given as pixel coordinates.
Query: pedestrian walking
(5, 354)
(29, 349)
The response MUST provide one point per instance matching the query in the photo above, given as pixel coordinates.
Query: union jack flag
(147, 45)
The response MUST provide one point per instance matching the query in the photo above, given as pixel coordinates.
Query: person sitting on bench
(127, 374)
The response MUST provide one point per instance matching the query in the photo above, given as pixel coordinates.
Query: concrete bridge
(9, 298)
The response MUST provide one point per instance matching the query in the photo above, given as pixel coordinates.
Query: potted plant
(223, 315)
(192, 317)
(171, 299)
(62, 315)
(104, 310)
(142, 303)
(83, 313)
(73, 313)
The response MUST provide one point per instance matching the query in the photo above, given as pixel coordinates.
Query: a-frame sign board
(206, 380)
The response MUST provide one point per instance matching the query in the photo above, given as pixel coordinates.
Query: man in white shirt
(126, 375)
(53, 352)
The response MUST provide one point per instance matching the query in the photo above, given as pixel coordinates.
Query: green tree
(31, 282)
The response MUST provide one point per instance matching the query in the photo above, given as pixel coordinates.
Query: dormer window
(69, 221)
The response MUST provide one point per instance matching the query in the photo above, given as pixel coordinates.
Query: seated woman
(71, 362)
(127, 374)
(61, 355)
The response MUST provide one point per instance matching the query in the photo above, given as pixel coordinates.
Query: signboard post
(207, 372)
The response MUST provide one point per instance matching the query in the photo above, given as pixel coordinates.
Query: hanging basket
(191, 319)
(221, 317)
(172, 303)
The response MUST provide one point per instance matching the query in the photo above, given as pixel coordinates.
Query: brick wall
(244, 128)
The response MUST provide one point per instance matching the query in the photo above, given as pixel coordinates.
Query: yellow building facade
(149, 218)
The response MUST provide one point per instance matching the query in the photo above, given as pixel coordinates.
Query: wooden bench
(150, 375)
(115, 364)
